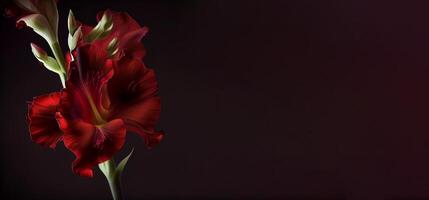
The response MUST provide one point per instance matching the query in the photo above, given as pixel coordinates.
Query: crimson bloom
(105, 96)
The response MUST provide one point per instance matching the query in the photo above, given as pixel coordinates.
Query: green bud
(47, 61)
(112, 48)
(106, 32)
(38, 52)
(41, 26)
(72, 40)
(102, 29)
(71, 23)
(46, 8)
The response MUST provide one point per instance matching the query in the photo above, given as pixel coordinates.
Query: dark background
(261, 99)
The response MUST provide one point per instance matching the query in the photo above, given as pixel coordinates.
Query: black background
(261, 99)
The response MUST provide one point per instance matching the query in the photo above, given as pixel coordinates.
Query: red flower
(133, 88)
(133, 98)
(127, 31)
(41, 119)
(105, 96)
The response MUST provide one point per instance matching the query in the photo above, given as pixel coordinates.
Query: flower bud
(74, 39)
(44, 17)
(41, 26)
(102, 29)
(112, 48)
(38, 52)
(71, 23)
(47, 61)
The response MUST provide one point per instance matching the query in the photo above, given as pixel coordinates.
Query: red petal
(43, 127)
(68, 58)
(88, 76)
(141, 118)
(75, 105)
(129, 34)
(133, 97)
(91, 144)
(130, 43)
(127, 31)
(132, 82)
(124, 22)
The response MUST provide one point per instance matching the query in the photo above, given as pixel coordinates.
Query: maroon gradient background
(261, 99)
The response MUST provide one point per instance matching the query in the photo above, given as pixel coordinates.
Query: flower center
(98, 118)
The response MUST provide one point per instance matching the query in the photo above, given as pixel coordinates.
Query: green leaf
(41, 26)
(123, 162)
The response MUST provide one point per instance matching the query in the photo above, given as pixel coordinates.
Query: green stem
(114, 179)
(58, 53)
(63, 79)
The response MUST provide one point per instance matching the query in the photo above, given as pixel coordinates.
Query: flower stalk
(114, 178)
(113, 174)
(58, 54)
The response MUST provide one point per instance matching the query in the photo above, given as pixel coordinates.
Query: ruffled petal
(88, 76)
(83, 111)
(141, 118)
(132, 82)
(91, 144)
(134, 98)
(43, 126)
(127, 31)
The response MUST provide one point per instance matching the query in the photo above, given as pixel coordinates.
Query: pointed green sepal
(112, 47)
(111, 170)
(38, 52)
(121, 166)
(102, 29)
(41, 26)
(71, 23)
(106, 32)
(47, 61)
(45, 8)
(73, 40)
